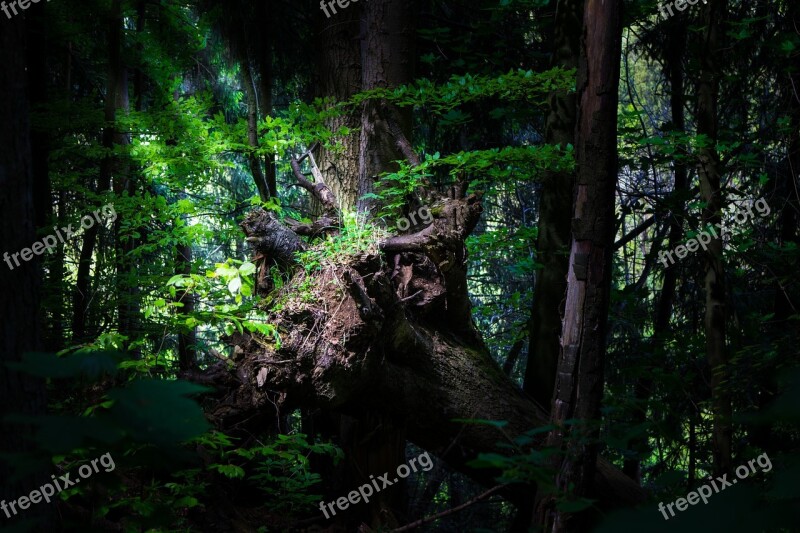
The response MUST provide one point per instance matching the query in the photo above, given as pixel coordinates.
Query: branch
(634, 233)
(423, 521)
(320, 191)
(400, 140)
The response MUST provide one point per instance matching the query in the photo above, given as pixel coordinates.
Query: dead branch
(320, 191)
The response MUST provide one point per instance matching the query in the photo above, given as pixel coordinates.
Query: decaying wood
(398, 337)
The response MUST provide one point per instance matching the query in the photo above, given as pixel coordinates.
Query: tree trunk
(555, 207)
(115, 89)
(263, 62)
(20, 285)
(339, 77)
(579, 384)
(128, 306)
(187, 338)
(406, 359)
(710, 178)
(386, 62)
(249, 87)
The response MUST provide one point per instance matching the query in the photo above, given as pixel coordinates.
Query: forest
(400, 265)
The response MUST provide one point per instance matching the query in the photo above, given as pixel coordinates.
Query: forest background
(263, 326)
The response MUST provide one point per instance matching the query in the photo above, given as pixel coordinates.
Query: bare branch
(320, 191)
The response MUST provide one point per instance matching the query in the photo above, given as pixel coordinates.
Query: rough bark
(339, 77)
(710, 172)
(579, 384)
(555, 207)
(386, 62)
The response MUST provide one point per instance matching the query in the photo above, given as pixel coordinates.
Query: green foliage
(443, 99)
(283, 473)
(356, 236)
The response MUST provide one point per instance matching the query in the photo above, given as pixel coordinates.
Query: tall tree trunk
(555, 207)
(339, 77)
(114, 91)
(643, 389)
(20, 329)
(386, 61)
(710, 178)
(579, 385)
(248, 84)
(263, 62)
(127, 279)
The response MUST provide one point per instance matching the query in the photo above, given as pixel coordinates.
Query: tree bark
(579, 384)
(339, 77)
(555, 207)
(386, 62)
(404, 357)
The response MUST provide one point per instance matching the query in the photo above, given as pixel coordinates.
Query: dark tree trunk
(405, 346)
(127, 278)
(710, 172)
(579, 385)
(20, 285)
(114, 91)
(263, 61)
(386, 61)
(405, 358)
(187, 339)
(555, 207)
(249, 87)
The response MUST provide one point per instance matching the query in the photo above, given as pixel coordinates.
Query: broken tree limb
(320, 191)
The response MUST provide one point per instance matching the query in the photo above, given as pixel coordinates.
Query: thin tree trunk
(127, 279)
(710, 179)
(555, 207)
(252, 131)
(187, 338)
(265, 81)
(82, 295)
(579, 385)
